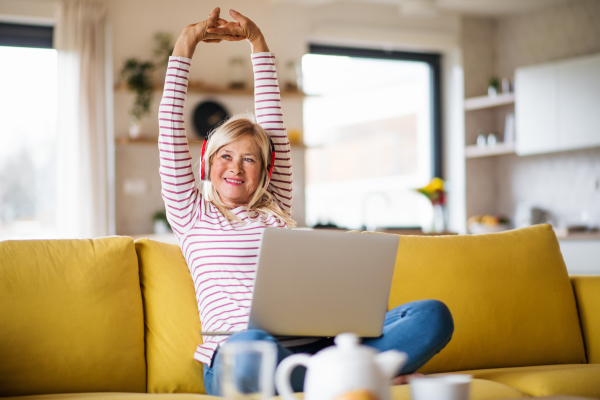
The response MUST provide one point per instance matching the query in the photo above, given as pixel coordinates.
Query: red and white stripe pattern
(221, 256)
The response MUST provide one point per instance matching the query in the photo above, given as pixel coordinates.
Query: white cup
(447, 387)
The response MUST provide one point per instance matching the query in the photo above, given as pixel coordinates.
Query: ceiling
(424, 7)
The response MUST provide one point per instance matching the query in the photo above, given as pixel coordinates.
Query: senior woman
(219, 228)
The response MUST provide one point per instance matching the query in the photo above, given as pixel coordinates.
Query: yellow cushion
(509, 294)
(171, 317)
(575, 379)
(480, 390)
(587, 293)
(71, 317)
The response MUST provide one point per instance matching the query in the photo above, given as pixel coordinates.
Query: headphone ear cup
(270, 167)
(272, 163)
(202, 169)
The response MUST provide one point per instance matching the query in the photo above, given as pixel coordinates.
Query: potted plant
(138, 75)
(161, 224)
(494, 85)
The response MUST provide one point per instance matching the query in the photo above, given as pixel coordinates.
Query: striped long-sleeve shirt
(220, 255)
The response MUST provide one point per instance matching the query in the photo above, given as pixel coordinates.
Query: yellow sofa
(110, 318)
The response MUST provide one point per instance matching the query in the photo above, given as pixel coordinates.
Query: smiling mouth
(233, 181)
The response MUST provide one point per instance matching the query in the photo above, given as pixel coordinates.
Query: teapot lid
(347, 345)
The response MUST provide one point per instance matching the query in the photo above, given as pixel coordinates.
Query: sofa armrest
(587, 294)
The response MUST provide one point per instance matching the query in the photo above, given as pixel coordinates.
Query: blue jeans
(421, 329)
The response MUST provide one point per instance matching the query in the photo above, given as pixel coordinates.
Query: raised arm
(267, 103)
(179, 191)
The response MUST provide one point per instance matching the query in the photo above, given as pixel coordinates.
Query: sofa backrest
(587, 294)
(71, 317)
(509, 294)
(171, 319)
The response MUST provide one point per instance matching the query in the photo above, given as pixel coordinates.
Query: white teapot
(338, 370)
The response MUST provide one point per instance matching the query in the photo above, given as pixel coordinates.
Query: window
(373, 135)
(28, 111)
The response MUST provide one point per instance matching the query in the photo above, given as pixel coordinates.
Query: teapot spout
(391, 362)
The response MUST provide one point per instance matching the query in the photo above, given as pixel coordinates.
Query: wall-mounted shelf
(489, 151)
(125, 141)
(201, 88)
(478, 103)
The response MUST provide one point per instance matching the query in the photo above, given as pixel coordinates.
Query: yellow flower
(433, 186)
(434, 191)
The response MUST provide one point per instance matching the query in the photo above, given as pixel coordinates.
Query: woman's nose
(236, 167)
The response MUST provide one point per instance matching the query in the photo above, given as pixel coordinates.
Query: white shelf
(153, 141)
(478, 103)
(489, 151)
(200, 88)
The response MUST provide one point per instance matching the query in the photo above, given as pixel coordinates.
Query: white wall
(28, 11)
(289, 29)
(564, 183)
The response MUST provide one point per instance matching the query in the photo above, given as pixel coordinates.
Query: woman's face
(236, 170)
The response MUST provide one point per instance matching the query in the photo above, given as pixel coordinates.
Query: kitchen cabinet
(536, 106)
(579, 102)
(557, 105)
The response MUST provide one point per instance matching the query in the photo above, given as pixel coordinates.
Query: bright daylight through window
(28, 97)
(368, 130)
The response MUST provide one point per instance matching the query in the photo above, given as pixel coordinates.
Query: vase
(237, 73)
(135, 128)
(161, 227)
(439, 218)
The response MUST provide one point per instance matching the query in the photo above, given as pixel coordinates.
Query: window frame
(432, 59)
(26, 35)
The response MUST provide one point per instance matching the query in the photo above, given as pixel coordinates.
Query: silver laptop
(322, 283)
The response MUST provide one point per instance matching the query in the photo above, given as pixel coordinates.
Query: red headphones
(205, 168)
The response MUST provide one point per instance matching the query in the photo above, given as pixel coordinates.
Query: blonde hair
(261, 201)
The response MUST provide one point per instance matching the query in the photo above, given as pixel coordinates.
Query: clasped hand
(215, 29)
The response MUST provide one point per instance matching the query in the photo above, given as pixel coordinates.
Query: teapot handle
(284, 371)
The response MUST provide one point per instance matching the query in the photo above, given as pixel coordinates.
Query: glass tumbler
(248, 370)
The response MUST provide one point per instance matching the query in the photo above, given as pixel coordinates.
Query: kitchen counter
(563, 234)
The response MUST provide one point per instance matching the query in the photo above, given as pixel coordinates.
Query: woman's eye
(248, 160)
(225, 156)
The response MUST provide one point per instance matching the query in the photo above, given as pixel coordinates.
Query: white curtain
(82, 190)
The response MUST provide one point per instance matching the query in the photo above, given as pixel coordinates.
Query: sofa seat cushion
(509, 294)
(480, 390)
(171, 319)
(574, 379)
(71, 317)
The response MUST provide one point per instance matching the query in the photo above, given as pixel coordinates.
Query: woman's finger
(237, 16)
(219, 31)
(214, 15)
(233, 38)
(211, 40)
